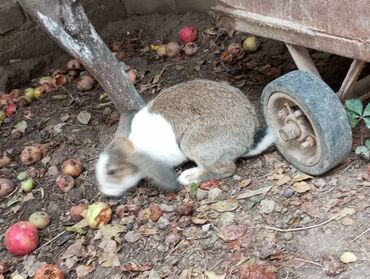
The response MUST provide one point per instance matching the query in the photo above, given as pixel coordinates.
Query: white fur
(266, 142)
(190, 176)
(110, 188)
(153, 134)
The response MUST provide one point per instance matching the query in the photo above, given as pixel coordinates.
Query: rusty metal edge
(290, 32)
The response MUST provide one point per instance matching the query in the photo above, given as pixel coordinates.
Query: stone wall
(23, 44)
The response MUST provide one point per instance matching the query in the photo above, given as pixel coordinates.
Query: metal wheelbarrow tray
(312, 127)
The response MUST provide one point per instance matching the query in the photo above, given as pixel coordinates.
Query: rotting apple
(172, 49)
(39, 219)
(6, 187)
(78, 211)
(65, 183)
(98, 214)
(72, 167)
(49, 271)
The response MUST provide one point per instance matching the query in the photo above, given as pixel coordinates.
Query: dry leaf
(148, 231)
(232, 232)
(348, 257)
(225, 206)
(133, 267)
(206, 185)
(110, 232)
(253, 271)
(199, 221)
(155, 212)
(83, 269)
(245, 182)
(251, 193)
(345, 212)
(213, 275)
(21, 126)
(301, 187)
(333, 266)
(108, 256)
(301, 177)
(346, 221)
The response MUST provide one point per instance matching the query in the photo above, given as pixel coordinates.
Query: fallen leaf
(345, 212)
(301, 177)
(213, 183)
(186, 209)
(110, 232)
(251, 193)
(108, 256)
(148, 231)
(346, 221)
(84, 117)
(21, 126)
(199, 221)
(348, 257)
(22, 175)
(226, 205)
(245, 182)
(253, 271)
(232, 232)
(213, 275)
(133, 267)
(84, 269)
(301, 187)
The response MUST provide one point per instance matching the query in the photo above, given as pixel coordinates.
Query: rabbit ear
(162, 174)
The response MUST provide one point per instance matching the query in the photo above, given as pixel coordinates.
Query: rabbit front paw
(190, 176)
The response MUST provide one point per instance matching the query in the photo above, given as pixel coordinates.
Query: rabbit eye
(112, 172)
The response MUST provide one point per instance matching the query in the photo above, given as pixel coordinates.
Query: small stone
(163, 223)
(206, 227)
(227, 218)
(201, 194)
(287, 236)
(172, 239)
(214, 193)
(236, 177)
(287, 192)
(320, 183)
(132, 236)
(167, 207)
(267, 206)
(184, 222)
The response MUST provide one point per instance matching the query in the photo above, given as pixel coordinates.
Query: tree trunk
(66, 22)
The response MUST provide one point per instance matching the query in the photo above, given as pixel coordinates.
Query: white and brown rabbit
(208, 122)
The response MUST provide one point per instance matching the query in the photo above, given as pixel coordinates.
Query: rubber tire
(327, 114)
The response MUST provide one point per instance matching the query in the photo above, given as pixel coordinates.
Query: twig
(51, 240)
(302, 228)
(357, 237)
(308, 261)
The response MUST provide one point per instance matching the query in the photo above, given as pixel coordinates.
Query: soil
(188, 240)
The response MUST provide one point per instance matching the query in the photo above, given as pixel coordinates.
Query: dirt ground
(202, 232)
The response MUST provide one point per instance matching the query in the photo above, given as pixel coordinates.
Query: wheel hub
(296, 133)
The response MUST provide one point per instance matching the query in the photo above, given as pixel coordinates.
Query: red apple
(188, 34)
(21, 238)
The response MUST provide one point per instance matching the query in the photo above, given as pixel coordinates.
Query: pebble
(163, 223)
(167, 208)
(214, 193)
(201, 194)
(267, 206)
(237, 177)
(206, 227)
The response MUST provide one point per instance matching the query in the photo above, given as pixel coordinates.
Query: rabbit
(208, 122)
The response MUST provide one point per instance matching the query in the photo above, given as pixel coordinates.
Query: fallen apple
(85, 83)
(65, 183)
(74, 64)
(31, 155)
(39, 92)
(2, 116)
(6, 187)
(161, 50)
(48, 271)
(190, 49)
(29, 94)
(132, 76)
(77, 212)
(27, 185)
(98, 214)
(39, 219)
(72, 167)
(250, 44)
(172, 49)
(188, 34)
(21, 238)
(59, 80)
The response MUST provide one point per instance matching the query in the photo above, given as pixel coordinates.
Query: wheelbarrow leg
(302, 59)
(350, 79)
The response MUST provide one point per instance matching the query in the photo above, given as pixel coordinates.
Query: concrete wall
(23, 43)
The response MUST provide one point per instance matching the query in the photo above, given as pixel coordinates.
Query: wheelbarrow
(312, 127)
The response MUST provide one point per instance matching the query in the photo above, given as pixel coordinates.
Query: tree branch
(66, 22)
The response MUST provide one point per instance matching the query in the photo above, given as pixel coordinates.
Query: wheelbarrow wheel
(311, 125)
